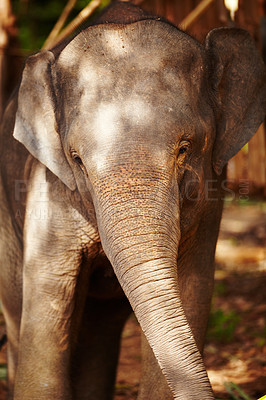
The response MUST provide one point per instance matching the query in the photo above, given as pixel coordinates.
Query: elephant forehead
(117, 116)
(109, 123)
(125, 130)
(154, 108)
(144, 77)
(146, 55)
(109, 117)
(127, 94)
(144, 38)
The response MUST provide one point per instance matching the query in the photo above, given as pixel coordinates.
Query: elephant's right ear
(35, 124)
(238, 78)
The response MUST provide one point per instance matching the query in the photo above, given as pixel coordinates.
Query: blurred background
(235, 353)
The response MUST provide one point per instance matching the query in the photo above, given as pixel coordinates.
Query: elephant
(113, 166)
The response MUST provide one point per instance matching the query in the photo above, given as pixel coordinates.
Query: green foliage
(235, 392)
(245, 149)
(222, 325)
(220, 289)
(261, 341)
(260, 335)
(3, 371)
(36, 19)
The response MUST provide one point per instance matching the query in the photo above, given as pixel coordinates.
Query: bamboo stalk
(80, 18)
(195, 14)
(59, 25)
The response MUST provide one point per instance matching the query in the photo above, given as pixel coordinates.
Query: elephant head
(135, 118)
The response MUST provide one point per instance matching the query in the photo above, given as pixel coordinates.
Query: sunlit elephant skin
(112, 184)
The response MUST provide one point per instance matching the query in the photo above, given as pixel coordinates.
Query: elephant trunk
(139, 229)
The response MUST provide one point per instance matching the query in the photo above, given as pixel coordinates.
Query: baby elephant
(113, 158)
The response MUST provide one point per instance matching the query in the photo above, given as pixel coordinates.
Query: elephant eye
(76, 158)
(78, 161)
(183, 148)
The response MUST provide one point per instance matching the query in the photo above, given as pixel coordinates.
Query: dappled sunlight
(116, 42)
(234, 370)
(106, 123)
(242, 239)
(110, 121)
(231, 255)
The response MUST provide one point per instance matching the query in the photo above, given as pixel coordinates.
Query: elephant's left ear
(35, 124)
(238, 77)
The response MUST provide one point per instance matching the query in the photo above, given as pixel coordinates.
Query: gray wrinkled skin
(112, 181)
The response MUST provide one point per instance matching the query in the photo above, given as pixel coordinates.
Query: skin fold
(113, 168)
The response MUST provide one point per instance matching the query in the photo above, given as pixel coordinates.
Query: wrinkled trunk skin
(140, 237)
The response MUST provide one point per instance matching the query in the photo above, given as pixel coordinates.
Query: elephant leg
(10, 285)
(12, 319)
(11, 307)
(153, 384)
(96, 356)
(49, 288)
(196, 269)
(53, 261)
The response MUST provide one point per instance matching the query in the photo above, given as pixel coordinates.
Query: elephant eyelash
(183, 148)
(78, 161)
(76, 158)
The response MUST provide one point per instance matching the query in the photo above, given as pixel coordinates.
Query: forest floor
(235, 351)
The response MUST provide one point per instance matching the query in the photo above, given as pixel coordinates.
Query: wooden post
(195, 14)
(256, 159)
(6, 24)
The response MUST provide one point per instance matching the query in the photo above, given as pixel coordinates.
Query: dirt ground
(235, 349)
